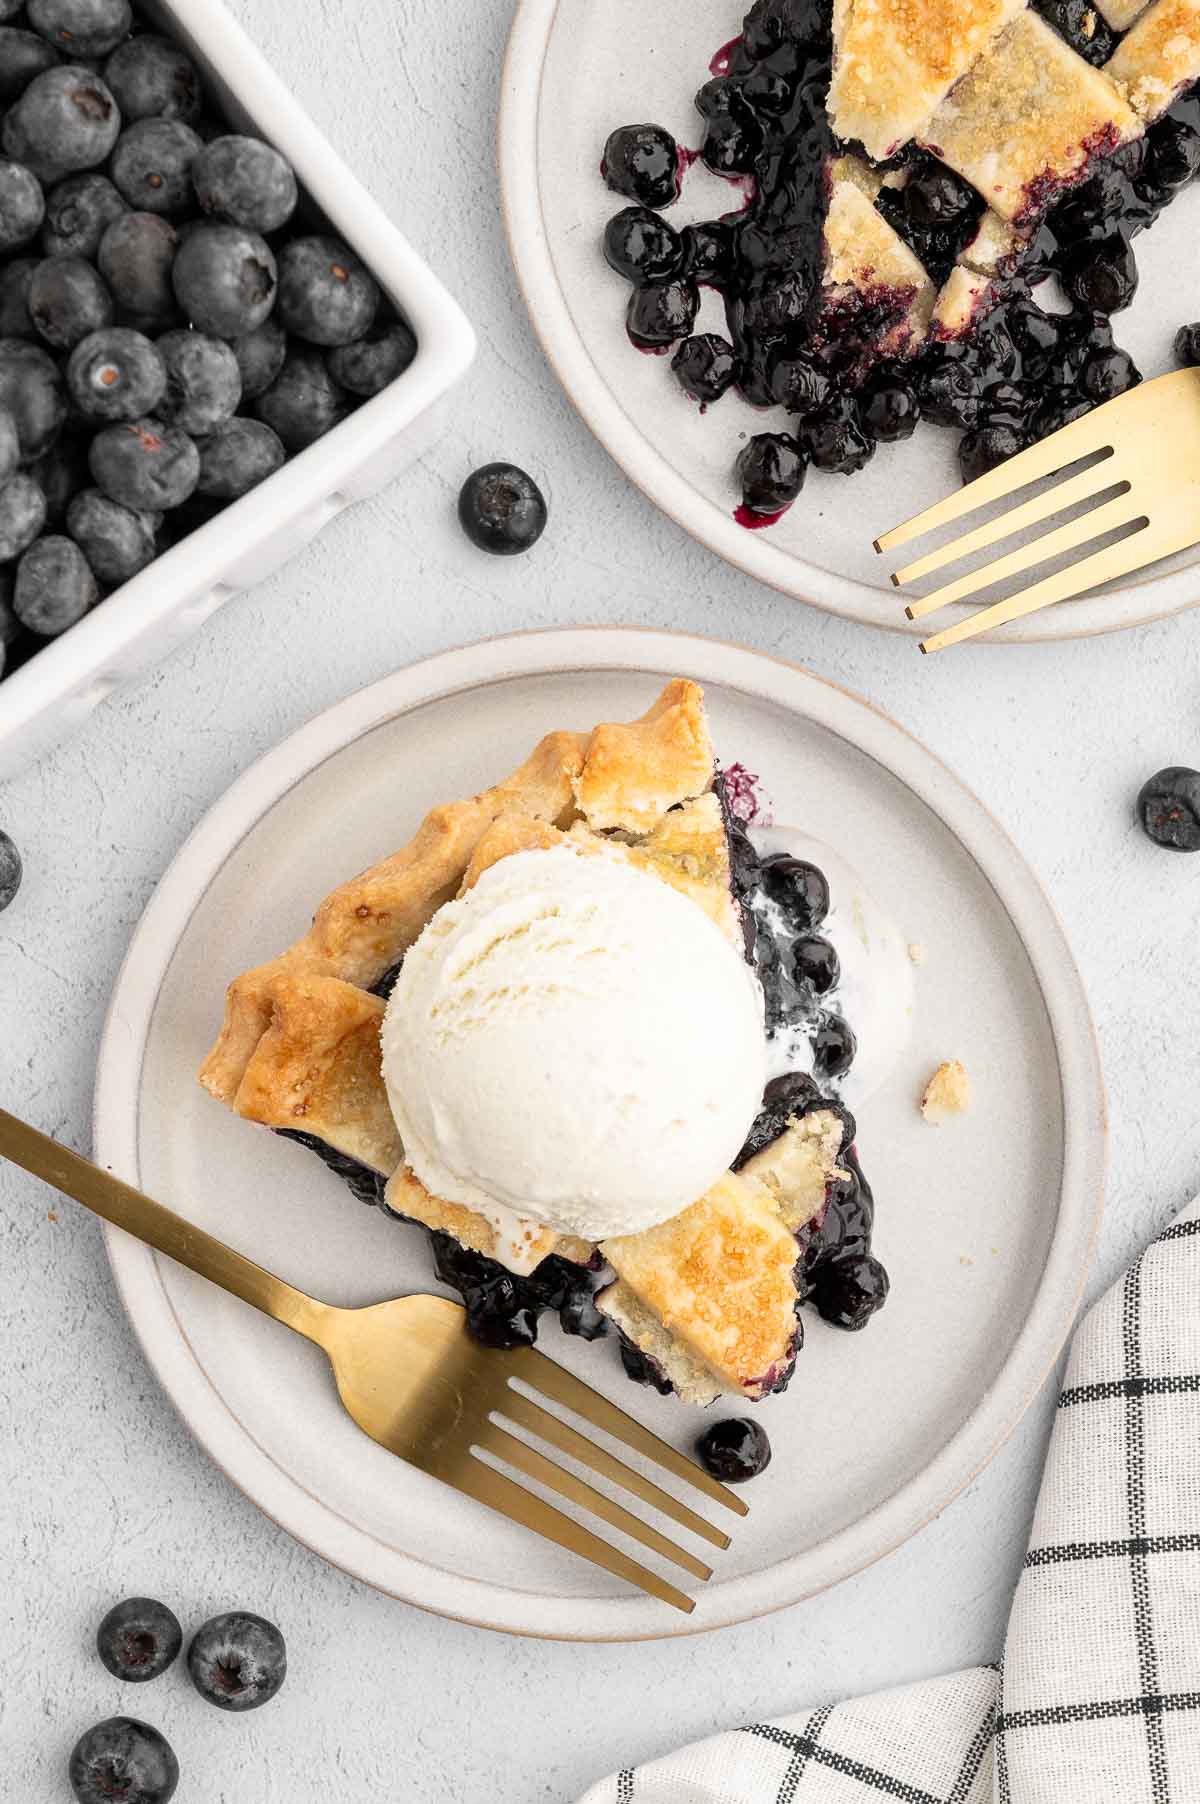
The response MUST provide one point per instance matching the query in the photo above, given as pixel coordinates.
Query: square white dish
(165, 603)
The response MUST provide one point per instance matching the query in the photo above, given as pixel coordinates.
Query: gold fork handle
(106, 1196)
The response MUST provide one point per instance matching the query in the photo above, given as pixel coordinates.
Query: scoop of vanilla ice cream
(575, 1043)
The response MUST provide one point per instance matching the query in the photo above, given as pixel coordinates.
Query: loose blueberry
(260, 356)
(833, 439)
(1173, 153)
(501, 509)
(1169, 808)
(372, 361)
(986, 447)
(116, 541)
(834, 1046)
(79, 211)
(707, 253)
(145, 464)
(770, 468)
(10, 447)
(734, 1451)
(661, 313)
(11, 871)
(123, 1759)
(32, 391)
(326, 294)
(225, 279)
(136, 258)
(246, 182)
(891, 410)
(138, 1639)
(152, 78)
(236, 457)
(799, 887)
(22, 205)
(1187, 346)
(81, 28)
(22, 514)
(848, 1291)
(152, 165)
(16, 279)
(304, 401)
(55, 586)
(67, 300)
(1108, 281)
(116, 375)
(23, 54)
(65, 120)
(1109, 373)
(643, 163)
(799, 384)
(704, 367)
(237, 1661)
(204, 383)
(816, 964)
(642, 247)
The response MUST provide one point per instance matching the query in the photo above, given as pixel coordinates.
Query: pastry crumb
(948, 1092)
(965, 1259)
(916, 953)
(50, 1215)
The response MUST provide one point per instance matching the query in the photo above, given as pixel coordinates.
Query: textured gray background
(104, 1492)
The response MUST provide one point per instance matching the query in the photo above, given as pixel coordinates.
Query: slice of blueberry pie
(908, 171)
(584, 1028)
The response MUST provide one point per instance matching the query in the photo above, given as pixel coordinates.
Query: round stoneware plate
(646, 63)
(986, 1223)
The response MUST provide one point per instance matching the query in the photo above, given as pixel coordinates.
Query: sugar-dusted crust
(869, 264)
(407, 1195)
(972, 286)
(632, 774)
(799, 1166)
(896, 60)
(1120, 14)
(947, 1093)
(1027, 119)
(1159, 57)
(688, 849)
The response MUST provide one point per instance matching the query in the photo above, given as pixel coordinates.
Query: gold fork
(414, 1380)
(1148, 443)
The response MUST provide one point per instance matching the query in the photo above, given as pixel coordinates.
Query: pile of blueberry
(236, 1661)
(170, 333)
(1020, 374)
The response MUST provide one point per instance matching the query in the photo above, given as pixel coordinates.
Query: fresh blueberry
(32, 391)
(848, 1291)
(136, 258)
(145, 464)
(79, 211)
(891, 410)
(116, 375)
(11, 871)
(16, 278)
(704, 367)
(501, 509)
(372, 361)
(236, 457)
(304, 401)
(67, 301)
(245, 181)
(152, 165)
(815, 963)
(204, 383)
(151, 78)
(260, 356)
(661, 313)
(642, 247)
(643, 163)
(834, 440)
(61, 473)
(22, 205)
(735, 1450)
(225, 279)
(116, 541)
(1187, 346)
(770, 468)
(22, 514)
(23, 55)
(1108, 373)
(123, 1759)
(237, 1661)
(834, 1046)
(986, 447)
(799, 887)
(1169, 808)
(65, 120)
(10, 447)
(327, 295)
(55, 586)
(1108, 281)
(139, 1639)
(81, 28)
(798, 383)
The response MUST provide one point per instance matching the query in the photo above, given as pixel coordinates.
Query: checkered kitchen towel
(1097, 1700)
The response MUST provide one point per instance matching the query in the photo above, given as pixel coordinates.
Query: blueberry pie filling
(908, 174)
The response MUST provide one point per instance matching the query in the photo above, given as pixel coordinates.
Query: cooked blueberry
(237, 1661)
(22, 514)
(1108, 281)
(949, 395)
(643, 163)
(65, 120)
(799, 383)
(10, 447)
(834, 1046)
(116, 374)
(890, 410)
(81, 28)
(225, 279)
(237, 457)
(151, 78)
(1187, 346)
(123, 1759)
(834, 440)
(770, 24)
(32, 391)
(799, 888)
(707, 253)
(22, 205)
(60, 474)
(661, 313)
(784, 1098)
(139, 1639)
(937, 197)
(136, 256)
(1107, 374)
(732, 142)
(16, 278)
(1060, 410)
(1035, 333)
(23, 54)
(116, 541)
(1173, 154)
(815, 963)
(260, 356)
(1169, 808)
(642, 247)
(55, 586)
(67, 300)
(704, 366)
(11, 871)
(501, 509)
(204, 383)
(304, 401)
(642, 1369)
(987, 446)
(326, 294)
(145, 464)
(151, 165)
(734, 1451)
(849, 1291)
(778, 308)
(372, 361)
(578, 1314)
(79, 210)
(1082, 26)
(245, 181)
(770, 468)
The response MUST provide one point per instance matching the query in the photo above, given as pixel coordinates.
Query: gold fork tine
(521, 1409)
(1122, 511)
(541, 1374)
(499, 1493)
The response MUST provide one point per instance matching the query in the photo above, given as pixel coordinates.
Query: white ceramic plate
(986, 1225)
(645, 63)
